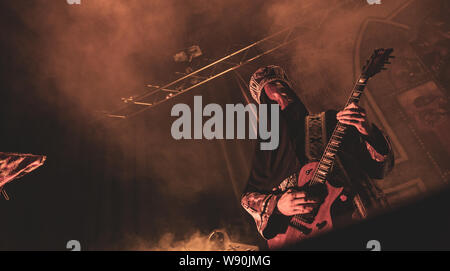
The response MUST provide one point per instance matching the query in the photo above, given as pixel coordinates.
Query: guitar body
(298, 229)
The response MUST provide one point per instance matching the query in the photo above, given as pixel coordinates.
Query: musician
(270, 196)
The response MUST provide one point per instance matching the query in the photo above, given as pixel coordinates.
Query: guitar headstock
(376, 61)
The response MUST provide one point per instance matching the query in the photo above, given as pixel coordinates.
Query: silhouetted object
(16, 165)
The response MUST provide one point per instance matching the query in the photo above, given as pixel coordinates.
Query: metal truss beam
(160, 94)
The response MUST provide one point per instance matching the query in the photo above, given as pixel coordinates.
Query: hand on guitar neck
(355, 116)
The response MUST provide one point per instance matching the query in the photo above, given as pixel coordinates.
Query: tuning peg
(391, 56)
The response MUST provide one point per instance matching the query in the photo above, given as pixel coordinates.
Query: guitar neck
(329, 155)
(357, 90)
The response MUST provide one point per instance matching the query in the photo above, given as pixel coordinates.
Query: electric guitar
(303, 226)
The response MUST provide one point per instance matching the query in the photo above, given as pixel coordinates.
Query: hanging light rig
(137, 104)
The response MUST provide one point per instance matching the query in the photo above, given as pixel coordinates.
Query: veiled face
(278, 92)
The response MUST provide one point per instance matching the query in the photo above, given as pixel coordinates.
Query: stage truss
(159, 94)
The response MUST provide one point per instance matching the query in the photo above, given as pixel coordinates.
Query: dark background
(127, 184)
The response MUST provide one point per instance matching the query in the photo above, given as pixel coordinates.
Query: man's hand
(294, 203)
(356, 116)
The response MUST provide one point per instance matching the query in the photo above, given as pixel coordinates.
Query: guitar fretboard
(330, 152)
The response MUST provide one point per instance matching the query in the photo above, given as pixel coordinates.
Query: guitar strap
(315, 142)
(315, 136)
